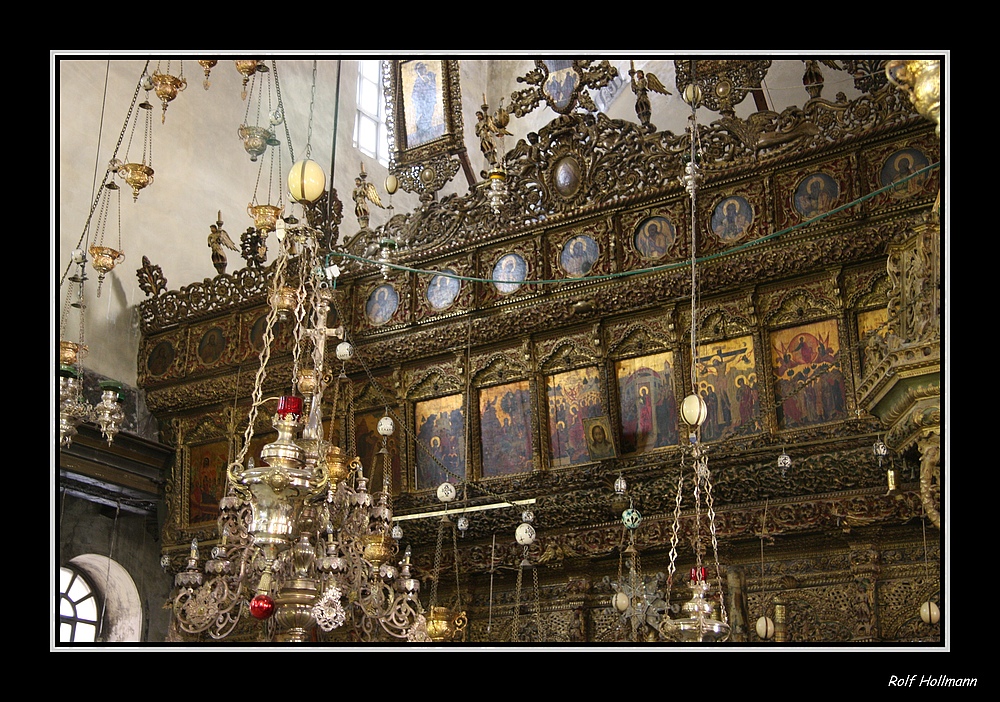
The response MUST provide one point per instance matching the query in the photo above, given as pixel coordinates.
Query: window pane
(65, 633)
(370, 69)
(65, 575)
(66, 608)
(368, 97)
(86, 633)
(78, 590)
(87, 609)
(383, 146)
(366, 135)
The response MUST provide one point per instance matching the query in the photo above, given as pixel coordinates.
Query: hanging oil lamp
(140, 174)
(207, 65)
(168, 86)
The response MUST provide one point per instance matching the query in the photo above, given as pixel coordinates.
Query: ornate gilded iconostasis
(531, 343)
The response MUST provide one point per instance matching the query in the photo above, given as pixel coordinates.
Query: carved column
(738, 616)
(904, 388)
(865, 570)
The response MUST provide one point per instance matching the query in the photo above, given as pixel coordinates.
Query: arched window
(98, 603)
(78, 608)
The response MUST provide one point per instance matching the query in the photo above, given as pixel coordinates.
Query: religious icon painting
(816, 194)
(573, 396)
(211, 345)
(257, 333)
(579, 255)
(648, 404)
(369, 446)
(382, 304)
(731, 219)
(505, 428)
(600, 443)
(440, 436)
(727, 382)
(424, 110)
(160, 358)
(561, 83)
(207, 480)
(509, 272)
(443, 289)
(901, 167)
(654, 237)
(809, 382)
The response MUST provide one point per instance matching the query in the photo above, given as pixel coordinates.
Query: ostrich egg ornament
(525, 534)
(631, 518)
(446, 492)
(765, 628)
(386, 426)
(620, 601)
(345, 352)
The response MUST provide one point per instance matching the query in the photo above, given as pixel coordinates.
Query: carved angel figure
(219, 241)
(364, 192)
(491, 127)
(642, 83)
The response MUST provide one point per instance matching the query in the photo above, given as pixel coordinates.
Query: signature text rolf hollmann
(930, 681)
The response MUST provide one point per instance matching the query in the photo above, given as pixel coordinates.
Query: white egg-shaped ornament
(446, 492)
(306, 181)
(620, 601)
(386, 426)
(631, 518)
(525, 534)
(345, 351)
(765, 628)
(930, 613)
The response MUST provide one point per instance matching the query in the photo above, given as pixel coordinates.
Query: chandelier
(700, 620)
(306, 544)
(73, 408)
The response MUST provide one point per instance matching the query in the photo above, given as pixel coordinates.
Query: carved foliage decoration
(724, 83)
(641, 337)
(562, 84)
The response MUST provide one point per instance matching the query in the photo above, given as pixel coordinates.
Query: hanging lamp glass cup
(137, 175)
(255, 140)
(264, 217)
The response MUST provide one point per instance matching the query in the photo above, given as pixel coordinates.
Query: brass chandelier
(304, 543)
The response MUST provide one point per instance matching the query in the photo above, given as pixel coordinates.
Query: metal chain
(458, 584)
(265, 355)
(516, 633)
(538, 604)
(312, 105)
(147, 143)
(674, 536)
(437, 560)
(281, 107)
(715, 543)
(118, 204)
(300, 306)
